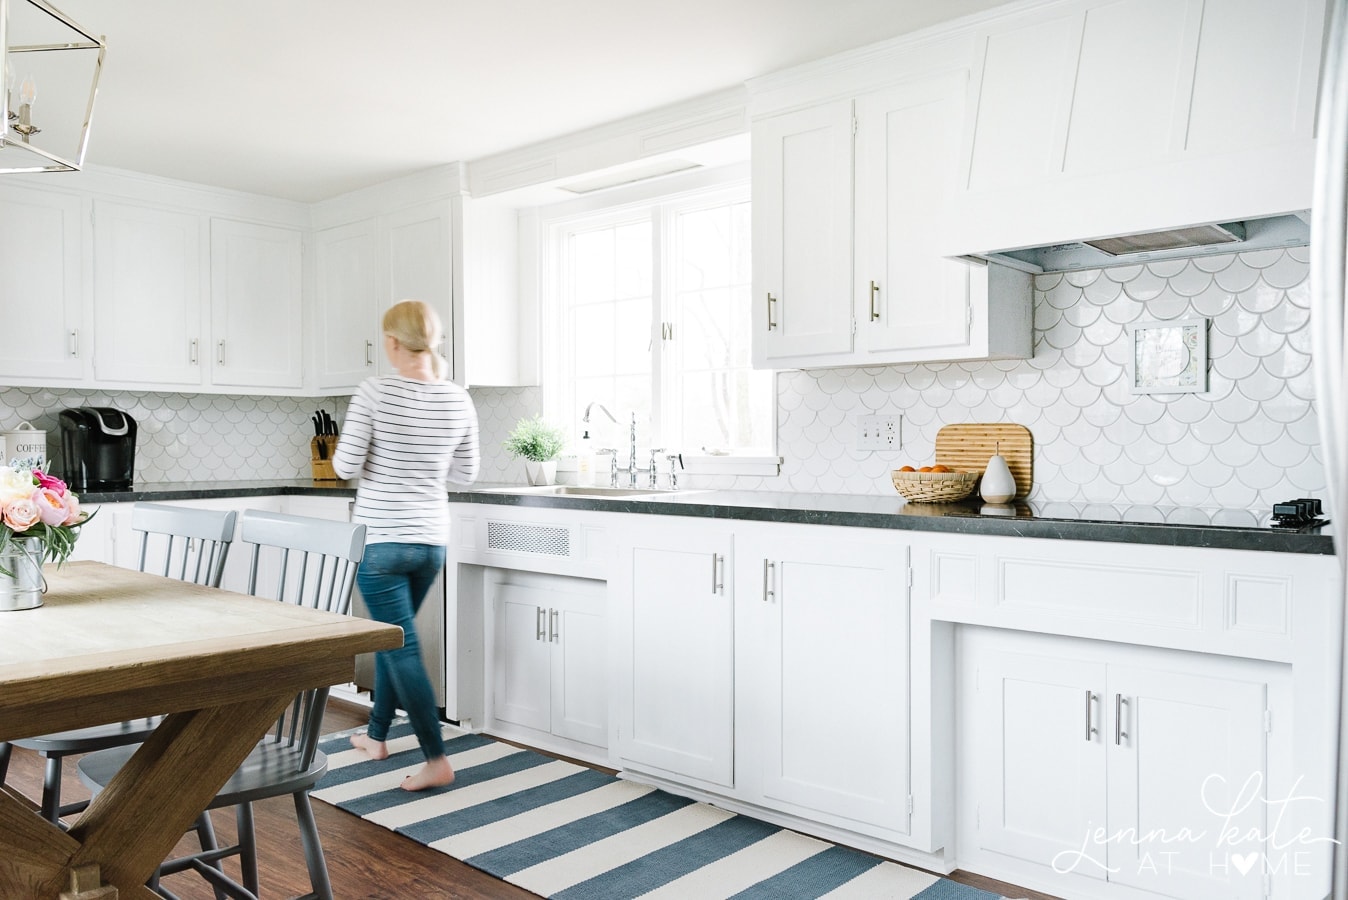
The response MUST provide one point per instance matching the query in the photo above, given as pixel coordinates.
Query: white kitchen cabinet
(838, 282)
(1146, 768)
(368, 265)
(44, 340)
(256, 311)
(419, 265)
(673, 632)
(349, 344)
(1216, 126)
(148, 296)
(802, 234)
(821, 674)
(549, 671)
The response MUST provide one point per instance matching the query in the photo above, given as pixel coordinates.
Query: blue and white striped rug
(566, 831)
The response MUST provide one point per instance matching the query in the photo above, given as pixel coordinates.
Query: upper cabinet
(255, 305)
(848, 271)
(1093, 118)
(44, 341)
(148, 296)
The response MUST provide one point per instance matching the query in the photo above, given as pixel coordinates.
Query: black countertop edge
(802, 509)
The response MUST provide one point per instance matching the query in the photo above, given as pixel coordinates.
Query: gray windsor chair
(317, 568)
(195, 545)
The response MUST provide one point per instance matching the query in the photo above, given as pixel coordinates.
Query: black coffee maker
(98, 448)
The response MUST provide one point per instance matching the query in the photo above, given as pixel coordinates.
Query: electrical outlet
(879, 432)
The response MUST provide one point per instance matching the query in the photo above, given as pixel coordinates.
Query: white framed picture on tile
(1169, 357)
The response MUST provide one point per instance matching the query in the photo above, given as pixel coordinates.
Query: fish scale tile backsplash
(1251, 440)
(225, 437)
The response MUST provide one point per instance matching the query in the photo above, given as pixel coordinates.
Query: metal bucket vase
(23, 589)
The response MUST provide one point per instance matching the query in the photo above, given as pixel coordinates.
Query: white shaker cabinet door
(822, 674)
(148, 296)
(674, 634)
(40, 300)
(1040, 742)
(420, 264)
(908, 296)
(255, 305)
(802, 235)
(578, 631)
(521, 680)
(346, 312)
(1188, 752)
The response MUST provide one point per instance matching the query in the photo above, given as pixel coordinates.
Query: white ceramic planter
(541, 472)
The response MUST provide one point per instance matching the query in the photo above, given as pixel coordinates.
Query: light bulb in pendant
(28, 91)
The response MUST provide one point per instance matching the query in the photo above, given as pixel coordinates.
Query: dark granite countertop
(1166, 526)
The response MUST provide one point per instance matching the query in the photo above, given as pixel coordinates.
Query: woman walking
(407, 437)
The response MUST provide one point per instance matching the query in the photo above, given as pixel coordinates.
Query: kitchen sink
(576, 490)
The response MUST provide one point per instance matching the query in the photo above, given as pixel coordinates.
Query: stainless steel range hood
(1292, 230)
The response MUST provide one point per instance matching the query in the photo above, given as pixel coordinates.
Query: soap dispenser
(998, 484)
(585, 462)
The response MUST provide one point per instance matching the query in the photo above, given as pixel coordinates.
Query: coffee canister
(25, 447)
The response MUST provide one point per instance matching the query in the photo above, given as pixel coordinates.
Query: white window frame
(672, 194)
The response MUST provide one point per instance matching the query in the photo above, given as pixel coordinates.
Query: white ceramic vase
(998, 484)
(540, 472)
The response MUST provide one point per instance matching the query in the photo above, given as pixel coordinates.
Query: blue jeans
(393, 579)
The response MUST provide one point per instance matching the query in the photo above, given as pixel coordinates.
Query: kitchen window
(651, 305)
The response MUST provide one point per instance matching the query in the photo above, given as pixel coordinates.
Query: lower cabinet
(674, 632)
(1139, 767)
(549, 673)
(772, 662)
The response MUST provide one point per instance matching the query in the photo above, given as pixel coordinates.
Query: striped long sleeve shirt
(407, 441)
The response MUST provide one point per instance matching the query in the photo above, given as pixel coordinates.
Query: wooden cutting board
(966, 448)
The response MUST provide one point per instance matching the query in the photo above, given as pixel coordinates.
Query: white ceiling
(307, 99)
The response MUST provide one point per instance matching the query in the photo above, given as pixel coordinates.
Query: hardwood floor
(365, 861)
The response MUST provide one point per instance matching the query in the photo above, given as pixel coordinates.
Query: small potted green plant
(539, 444)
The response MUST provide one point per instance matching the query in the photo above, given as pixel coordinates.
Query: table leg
(132, 825)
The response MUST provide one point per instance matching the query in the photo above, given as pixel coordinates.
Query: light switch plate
(880, 432)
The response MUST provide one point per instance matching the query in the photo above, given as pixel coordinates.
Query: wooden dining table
(111, 644)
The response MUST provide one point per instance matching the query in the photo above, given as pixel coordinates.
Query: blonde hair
(415, 326)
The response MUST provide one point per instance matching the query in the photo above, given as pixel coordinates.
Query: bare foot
(436, 773)
(372, 748)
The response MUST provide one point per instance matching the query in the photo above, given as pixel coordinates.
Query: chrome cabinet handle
(220, 353)
(875, 290)
(768, 592)
(1119, 733)
(553, 634)
(1090, 717)
(75, 343)
(717, 583)
(192, 351)
(369, 353)
(771, 300)
(538, 623)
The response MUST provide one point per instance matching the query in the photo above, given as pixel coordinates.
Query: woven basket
(934, 487)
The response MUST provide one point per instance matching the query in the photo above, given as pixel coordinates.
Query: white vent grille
(548, 540)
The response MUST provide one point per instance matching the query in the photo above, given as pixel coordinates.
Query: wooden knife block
(322, 467)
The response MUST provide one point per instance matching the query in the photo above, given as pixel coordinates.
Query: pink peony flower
(21, 514)
(73, 514)
(50, 482)
(51, 506)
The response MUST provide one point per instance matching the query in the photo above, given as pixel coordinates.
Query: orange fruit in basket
(925, 469)
(940, 468)
(907, 469)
